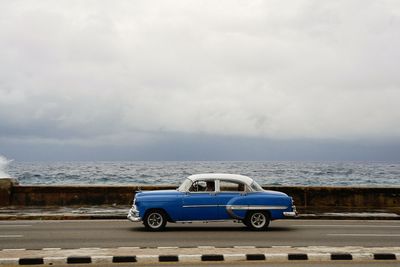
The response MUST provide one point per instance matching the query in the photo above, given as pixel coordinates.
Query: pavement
(69, 242)
(120, 212)
(196, 255)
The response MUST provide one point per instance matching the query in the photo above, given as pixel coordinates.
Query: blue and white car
(212, 197)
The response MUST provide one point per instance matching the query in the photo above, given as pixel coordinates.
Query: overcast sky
(207, 80)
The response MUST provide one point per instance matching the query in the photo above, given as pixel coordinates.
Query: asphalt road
(122, 233)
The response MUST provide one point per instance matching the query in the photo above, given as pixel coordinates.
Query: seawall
(307, 198)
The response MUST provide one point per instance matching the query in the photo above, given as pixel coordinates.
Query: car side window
(202, 186)
(228, 186)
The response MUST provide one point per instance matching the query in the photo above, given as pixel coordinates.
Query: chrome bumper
(133, 215)
(292, 213)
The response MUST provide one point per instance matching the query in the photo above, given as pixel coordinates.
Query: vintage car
(212, 197)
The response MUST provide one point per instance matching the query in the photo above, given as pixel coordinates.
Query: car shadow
(215, 229)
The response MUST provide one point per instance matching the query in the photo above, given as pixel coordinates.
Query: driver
(210, 187)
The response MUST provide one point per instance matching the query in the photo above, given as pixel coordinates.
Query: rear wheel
(155, 220)
(257, 220)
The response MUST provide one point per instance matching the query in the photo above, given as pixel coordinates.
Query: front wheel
(155, 220)
(257, 220)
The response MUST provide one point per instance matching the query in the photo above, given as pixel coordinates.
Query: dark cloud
(183, 147)
(87, 74)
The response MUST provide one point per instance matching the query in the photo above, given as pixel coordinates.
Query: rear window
(256, 187)
(228, 186)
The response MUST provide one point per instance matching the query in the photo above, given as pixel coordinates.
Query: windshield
(187, 183)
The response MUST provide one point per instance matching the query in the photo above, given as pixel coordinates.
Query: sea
(173, 172)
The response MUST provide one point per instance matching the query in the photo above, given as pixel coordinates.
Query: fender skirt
(231, 208)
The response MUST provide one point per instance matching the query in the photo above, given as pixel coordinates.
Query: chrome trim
(134, 219)
(202, 206)
(292, 213)
(289, 213)
(133, 214)
(255, 207)
(238, 207)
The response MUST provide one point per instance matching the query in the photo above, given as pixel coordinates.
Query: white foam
(3, 165)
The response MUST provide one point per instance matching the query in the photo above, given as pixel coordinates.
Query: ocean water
(173, 172)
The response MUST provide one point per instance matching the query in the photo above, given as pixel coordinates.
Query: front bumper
(133, 214)
(292, 213)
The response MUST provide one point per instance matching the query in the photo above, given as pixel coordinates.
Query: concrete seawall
(307, 198)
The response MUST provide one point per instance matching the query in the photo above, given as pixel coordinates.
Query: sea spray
(3, 166)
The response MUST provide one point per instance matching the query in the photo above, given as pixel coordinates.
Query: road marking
(15, 225)
(346, 225)
(10, 236)
(364, 235)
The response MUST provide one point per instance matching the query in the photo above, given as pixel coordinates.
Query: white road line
(10, 236)
(364, 235)
(346, 225)
(15, 225)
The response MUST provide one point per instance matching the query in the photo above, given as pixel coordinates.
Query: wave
(3, 166)
(267, 173)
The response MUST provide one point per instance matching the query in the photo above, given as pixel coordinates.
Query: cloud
(126, 72)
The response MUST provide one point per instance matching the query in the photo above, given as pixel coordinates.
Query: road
(122, 233)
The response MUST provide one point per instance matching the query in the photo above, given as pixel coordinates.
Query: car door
(200, 203)
(228, 191)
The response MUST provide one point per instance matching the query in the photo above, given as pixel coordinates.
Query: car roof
(222, 176)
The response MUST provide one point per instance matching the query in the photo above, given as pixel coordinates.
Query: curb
(277, 257)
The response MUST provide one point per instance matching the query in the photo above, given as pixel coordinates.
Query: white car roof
(223, 176)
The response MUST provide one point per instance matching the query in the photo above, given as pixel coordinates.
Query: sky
(200, 80)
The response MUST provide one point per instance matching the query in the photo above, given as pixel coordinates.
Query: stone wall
(6, 187)
(307, 198)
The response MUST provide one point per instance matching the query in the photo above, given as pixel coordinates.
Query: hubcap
(258, 220)
(155, 220)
